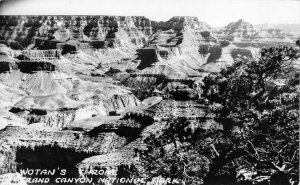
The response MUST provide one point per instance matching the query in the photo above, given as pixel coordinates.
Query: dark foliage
(15, 45)
(204, 49)
(205, 34)
(264, 115)
(184, 94)
(236, 53)
(259, 119)
(178, 153)
(33, 23)
(12, 22)
(224, 43)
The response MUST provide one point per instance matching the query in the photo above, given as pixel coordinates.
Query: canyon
(83, 92)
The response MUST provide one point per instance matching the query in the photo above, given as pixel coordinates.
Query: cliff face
(179, 23)
(41, 86)
(172, 32)
(97, 25)
(170, 57)
(120, 29)
(152, 119)
(240, 29)
(99, 28)
(31, 148)
(115, 38)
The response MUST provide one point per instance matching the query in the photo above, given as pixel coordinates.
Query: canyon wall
(23, 29)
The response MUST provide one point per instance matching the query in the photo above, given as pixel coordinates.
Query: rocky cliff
(61, 28)
(45, 149)
(179, 23)
(153, 119)
(56, 96)
(170, 57)
(241, 31)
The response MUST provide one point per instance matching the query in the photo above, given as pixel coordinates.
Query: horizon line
(146, 17)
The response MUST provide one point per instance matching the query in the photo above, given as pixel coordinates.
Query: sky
(215, 12)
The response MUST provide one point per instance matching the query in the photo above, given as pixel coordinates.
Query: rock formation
(241, 31)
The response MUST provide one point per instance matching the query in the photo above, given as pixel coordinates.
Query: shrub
(243, 52)
(204, 49)
(224, 43)
(15, 45)
(268, 118)
(205, 34)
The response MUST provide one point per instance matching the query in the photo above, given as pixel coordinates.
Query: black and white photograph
(149, 92)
